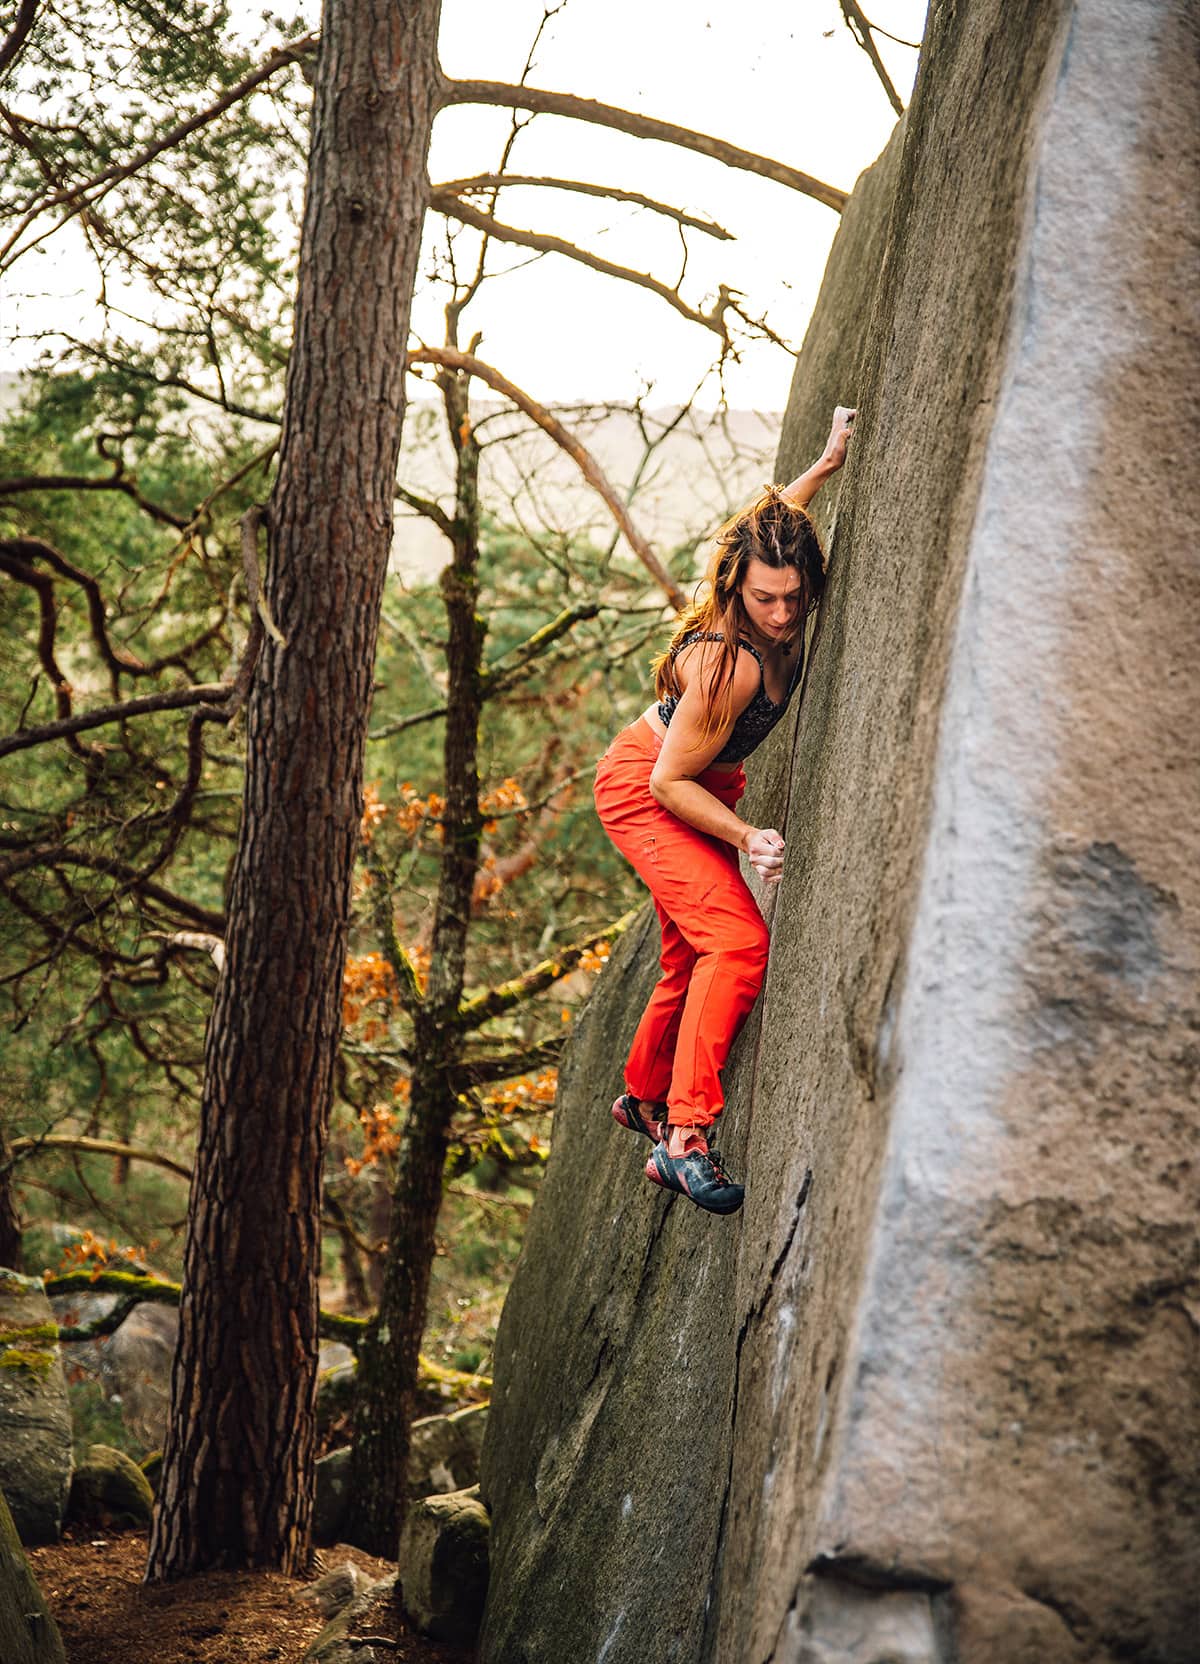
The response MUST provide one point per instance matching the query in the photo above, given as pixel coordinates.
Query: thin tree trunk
(10, 1224)
(386, 1388)
(237, 1467)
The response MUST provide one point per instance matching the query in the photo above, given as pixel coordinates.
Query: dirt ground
(107, 1615)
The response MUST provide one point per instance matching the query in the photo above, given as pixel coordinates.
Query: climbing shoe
(630, 1112)
(698, 1176)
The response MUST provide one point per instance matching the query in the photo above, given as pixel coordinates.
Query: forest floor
(107, 1615)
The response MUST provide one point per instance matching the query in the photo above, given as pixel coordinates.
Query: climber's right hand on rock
(764, 849)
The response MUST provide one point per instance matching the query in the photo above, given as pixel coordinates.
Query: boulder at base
(109, 1490)
(28, 1634)
(443, 1565)
(35, 1418)
(444, 1457)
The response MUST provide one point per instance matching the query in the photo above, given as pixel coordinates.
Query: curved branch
(180, 699)
(495, 181)
(136, 1288)
(28, 550)
(455, 209)
(63, 855)
(85, 482)
(98, 1147)
(474, 1012)
(575, 449)
(541, 101)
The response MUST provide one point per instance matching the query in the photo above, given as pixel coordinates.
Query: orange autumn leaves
(413, 812)
(381, 1123)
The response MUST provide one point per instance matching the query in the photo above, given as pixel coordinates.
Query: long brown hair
(775, 530)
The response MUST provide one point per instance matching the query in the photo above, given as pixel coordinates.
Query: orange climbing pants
(714, 939)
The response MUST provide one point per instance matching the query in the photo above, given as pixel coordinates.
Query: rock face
(35, 1420)
(28, 1634)
(932, 1395)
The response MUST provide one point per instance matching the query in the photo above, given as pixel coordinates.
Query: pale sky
(783, 77)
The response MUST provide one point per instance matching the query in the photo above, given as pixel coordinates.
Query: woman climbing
(665, 792)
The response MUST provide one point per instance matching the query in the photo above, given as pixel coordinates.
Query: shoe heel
(653, 1174)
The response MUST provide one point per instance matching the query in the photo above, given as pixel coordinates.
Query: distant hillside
(702, 470)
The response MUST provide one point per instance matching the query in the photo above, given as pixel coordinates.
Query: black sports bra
(760, 715)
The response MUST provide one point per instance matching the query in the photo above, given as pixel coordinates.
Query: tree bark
(238, 1463)
(10, 1224)
(388, 1352)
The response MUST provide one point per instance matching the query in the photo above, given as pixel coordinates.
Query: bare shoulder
(696, 663)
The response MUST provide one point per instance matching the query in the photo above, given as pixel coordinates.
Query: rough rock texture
(28, 1634)
(109, 1489)
(35, 1419)
(336, 1645)
(932, 1396)
(442, 1568)
(333, 1592)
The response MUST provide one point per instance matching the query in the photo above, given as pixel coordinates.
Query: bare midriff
(653, 721)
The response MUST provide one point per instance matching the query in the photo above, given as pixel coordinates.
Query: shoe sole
(654, 1174)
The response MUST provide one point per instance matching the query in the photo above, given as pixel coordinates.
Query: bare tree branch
(65, 855)
(542, 101)
(455, 209)
(179, 699)
(482, 1071)
(98, 1147)
(500, 676)
(574, 448)
(18, 556)
(494, 181)
(863, 32)
(82, 482)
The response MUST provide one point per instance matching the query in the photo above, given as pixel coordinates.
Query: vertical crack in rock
(712, 1616)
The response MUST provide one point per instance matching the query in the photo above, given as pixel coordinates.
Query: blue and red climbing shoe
(630, 1112)
(698, 1176)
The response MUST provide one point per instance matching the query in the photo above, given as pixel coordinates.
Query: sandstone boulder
(35, 1420)
(444, 1457)
(442, 1570)
(109, 1490)
(932, 1395)
(28, 1634)
(371, 1610)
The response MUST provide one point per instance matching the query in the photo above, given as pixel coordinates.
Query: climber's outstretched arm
(803, 489)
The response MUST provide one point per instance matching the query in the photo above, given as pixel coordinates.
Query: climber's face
(771, 598)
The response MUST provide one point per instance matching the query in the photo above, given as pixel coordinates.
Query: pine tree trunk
(386, 1388)
(10, 1224)
(237, 1467)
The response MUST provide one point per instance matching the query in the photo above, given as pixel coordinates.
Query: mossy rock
(28, 1634)
(35, 1418)
(109, 1490)
(151, 1466)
